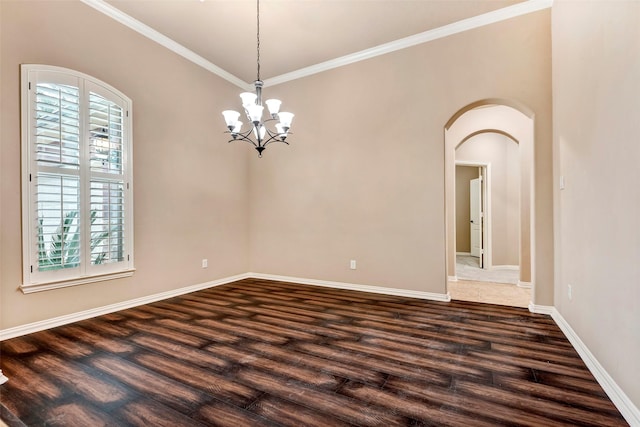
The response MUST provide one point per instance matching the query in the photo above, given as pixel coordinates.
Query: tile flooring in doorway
(468, 268)
(490, 293)
(497, 286)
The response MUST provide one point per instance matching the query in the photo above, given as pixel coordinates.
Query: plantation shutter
(107, 183)
(77, 199)
(56, 128)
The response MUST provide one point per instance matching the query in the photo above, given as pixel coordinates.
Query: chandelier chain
(258, 36)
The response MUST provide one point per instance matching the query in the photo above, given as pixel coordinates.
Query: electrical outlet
(205, 263)
(569, 292)
(352, 264)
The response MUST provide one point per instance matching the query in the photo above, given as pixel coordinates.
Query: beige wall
(464, 175)
(501, 152)
(190, 186)
(596, 64)
(364, 177)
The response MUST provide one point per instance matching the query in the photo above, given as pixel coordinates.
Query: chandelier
(260, 134)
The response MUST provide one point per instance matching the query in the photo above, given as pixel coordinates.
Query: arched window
(77, 179)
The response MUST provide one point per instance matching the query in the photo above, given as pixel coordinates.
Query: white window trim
(29, 285)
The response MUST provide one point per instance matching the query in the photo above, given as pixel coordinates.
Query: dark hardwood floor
(263, 353)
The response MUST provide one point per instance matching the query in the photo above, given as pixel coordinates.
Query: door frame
(485, 190)
(518, 122)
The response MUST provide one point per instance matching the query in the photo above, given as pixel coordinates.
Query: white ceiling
(294, 34)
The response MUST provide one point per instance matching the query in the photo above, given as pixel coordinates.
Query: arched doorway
(516, 122)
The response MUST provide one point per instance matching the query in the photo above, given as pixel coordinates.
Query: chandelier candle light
(253, 108)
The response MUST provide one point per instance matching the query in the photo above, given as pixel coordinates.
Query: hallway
(467, 268)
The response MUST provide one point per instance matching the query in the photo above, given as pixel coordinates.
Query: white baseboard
(541, 309)
(452, 278)
(29, 328)
(629, 411)
(463, 253)
(505, 267)
(355, 287)
(527, 285)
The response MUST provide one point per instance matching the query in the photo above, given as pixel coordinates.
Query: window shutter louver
(107, 222)
(57, 195)
(57, 121)
(107, 182)
(105, 127)
(57, 213)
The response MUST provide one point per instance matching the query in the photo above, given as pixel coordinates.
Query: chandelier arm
(243, 137)
(273, 138)
(272, 135)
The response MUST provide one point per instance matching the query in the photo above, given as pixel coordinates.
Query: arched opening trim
(490, 102)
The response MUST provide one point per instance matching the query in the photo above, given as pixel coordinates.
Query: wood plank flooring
(263, 353)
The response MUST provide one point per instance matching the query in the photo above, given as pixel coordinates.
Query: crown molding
(116, 14)
(499, 15)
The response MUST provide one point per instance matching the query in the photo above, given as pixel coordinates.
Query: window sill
(38, 287)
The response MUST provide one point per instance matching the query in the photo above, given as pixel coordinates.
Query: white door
(475, 203)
